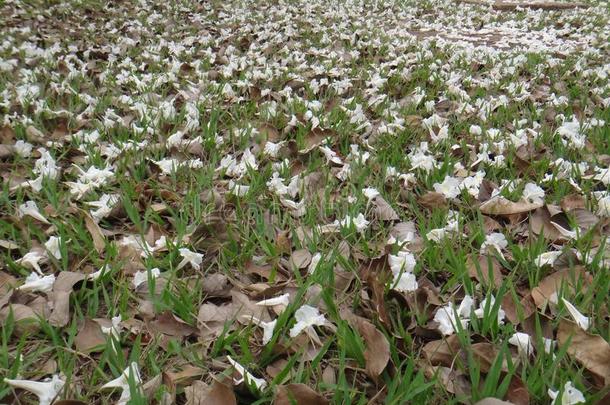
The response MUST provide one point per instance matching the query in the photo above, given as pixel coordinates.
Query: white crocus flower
(571, 395)
(481, 311)
(142, 276)
(131, 373)
(450, 187)
(193, 258)
(32, 260)
(246, 376)
(53, 246)
(495, 240)
(547, 258)
(448, 316)
(35, 282)
(523, 341)
(46, 391)
(30, 208)
(306, 317)
(581, 320)
(279, 300)
(533, 193)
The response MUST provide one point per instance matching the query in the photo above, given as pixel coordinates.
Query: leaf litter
(400, 202)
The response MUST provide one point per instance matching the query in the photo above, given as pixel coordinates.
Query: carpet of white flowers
(310, 202)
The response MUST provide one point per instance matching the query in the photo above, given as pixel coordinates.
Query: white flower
(32, 260)
(313, 265)
(581, 320)
(436, 235)
(46, 391)
(35, 282)
(496, 241)
(481, 311)
(23, 149)
(533, 193)
(246, 376)
(405, 282)
(97, 274)
(547, 258)
(279, 300)
(401, 262)
(306, 317)
(359, 222)
(238, 190)
(272, 149)
(96, 176)
(130, 374)
(53, 246)
(523, 341)
(330, 155)
(142, 276)
(268, 328)
(603, 175)
(370, 193)
(450, 187)
(603, 203)
(188, 256)
(549, 344)
(30, 208)
(115, 328)
(448, 316)
(104, 206)
(167, 166)
(571, 395)
(475, 130)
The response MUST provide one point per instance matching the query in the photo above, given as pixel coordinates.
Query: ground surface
(325, 202)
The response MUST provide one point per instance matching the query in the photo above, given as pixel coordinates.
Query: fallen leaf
(502, 206)
(62, 288)
(26, 320)
(442, 352)
(216, 394)
(492, 401)
(168, 324)
(298, 394)
(486, 269)
(377, 352)
(90, 337)
(99, 241)
(300, 259)
(184, 376)
(552, 283)
(384, 211)
(517, 392)
(432, 200)
(592, 351)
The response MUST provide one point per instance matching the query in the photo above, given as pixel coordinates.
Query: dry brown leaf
(540, 222)
(26, 320)
(377, 352)
(384, 211)
(62, 288)
(517, 392)
(298, 394)
(432, 200)
(592, 351)
(99, 241)
(314, 138)
(216, 394)
(552, 283)
(485, 353)
(184, 376)
(486, 269)
(502, 206)
(168, 324)
(493, 401)
(300, 259)
(573, 201)
(442, 352)
(90, 337)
